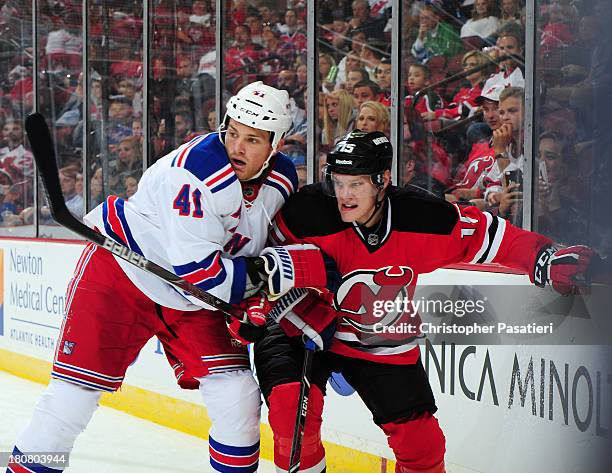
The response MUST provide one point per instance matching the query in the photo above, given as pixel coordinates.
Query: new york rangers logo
(68, 347)
(362, 291)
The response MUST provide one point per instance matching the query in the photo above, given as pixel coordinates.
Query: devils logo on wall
(373, 300)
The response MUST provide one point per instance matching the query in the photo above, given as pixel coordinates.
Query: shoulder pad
(205, 157)
(283, 176)
(421, 213)
(310, 213)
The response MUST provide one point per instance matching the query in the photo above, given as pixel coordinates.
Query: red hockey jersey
(417, 235)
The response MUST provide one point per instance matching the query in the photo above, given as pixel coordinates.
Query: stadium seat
(437, 65)
(474, 42)
(455, 64)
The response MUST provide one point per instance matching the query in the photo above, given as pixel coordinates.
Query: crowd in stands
(461, 137)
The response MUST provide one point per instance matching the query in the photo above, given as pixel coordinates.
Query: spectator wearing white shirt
(64, 46)
(483, 22)
(509, 75)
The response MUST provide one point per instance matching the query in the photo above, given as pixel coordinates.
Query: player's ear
(386, 178)
(280, 145)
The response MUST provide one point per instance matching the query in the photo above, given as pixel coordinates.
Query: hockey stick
(302, 408)
(42, 149)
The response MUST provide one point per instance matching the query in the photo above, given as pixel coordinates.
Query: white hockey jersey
(514, 79)
(189, 217)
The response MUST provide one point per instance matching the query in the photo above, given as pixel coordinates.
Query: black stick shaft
(302, 409)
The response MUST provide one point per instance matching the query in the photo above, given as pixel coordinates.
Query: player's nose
(238, 147)
(343, 193)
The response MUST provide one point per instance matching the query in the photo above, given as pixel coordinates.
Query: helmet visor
(347, 186)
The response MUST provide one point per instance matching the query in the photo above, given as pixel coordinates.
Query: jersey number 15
(184, 199)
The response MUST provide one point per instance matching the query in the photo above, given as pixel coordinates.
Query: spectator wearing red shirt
(125, 62)
(197, 31)
(418, 79)
(464, 102)
(470, 176)
(557, 33)
(290, 32)
(238, 13)
(365, 91)
(282, 55)
(382, 77)
(242, 57)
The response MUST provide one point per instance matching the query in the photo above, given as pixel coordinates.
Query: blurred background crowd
(461, 81)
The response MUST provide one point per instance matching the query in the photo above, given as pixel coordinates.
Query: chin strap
(377, 206)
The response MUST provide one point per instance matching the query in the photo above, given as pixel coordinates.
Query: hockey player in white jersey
(201, 212)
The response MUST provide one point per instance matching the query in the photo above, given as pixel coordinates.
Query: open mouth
(348, 207)
(238, 164)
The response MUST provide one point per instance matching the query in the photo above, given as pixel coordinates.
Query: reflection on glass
(182, 82)
(16, 101)
(572, 144)
(460, 140)
(270, 45)
(354, 69)
(115, 96)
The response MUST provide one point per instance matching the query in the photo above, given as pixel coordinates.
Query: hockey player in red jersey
(381, 237)
(202, 211)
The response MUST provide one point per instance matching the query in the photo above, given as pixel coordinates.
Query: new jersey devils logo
(362, 292)
(476, 169)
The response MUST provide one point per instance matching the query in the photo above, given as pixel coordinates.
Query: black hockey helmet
(361, 153)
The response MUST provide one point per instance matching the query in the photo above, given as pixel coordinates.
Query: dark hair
(365, 75)
(513, 30)
(424, 68)
(374, 87)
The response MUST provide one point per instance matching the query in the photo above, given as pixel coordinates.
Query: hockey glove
(286, 267)
(562, 268)
(311, 318)
(252, 327)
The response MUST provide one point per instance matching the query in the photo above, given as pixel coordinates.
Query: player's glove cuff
(292, 266)
(541, 267)
(562, 268)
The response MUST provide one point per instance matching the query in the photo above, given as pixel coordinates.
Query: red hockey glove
(252, 327)
(561, 268)
(286, 267)
(313, 318)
